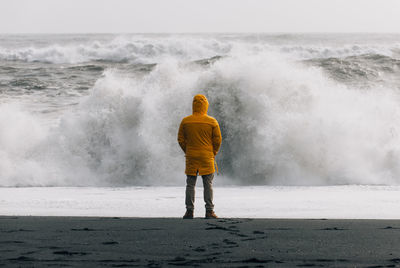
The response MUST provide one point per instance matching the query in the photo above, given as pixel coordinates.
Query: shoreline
(278, 202)
(169, 242)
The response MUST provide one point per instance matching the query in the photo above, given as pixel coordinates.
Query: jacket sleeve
(216, 138)
(181, 138)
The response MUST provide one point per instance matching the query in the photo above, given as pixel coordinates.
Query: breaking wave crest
(154, 49)
(283, 123)
(119, 49)
(368, 70)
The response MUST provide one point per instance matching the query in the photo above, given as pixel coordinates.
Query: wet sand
(170, 242)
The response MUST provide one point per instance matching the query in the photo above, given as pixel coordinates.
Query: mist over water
(293, 109)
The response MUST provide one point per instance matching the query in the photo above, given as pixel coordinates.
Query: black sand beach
(169, 242)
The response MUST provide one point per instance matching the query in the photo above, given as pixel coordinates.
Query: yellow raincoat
(200, 138)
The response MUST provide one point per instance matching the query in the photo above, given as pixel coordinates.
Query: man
(200, 139)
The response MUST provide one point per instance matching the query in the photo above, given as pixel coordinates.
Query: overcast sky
(140, 16)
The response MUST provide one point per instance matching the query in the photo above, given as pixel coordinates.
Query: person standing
(199, 137)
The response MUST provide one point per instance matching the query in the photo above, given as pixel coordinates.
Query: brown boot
(188, 214)
(210, 214)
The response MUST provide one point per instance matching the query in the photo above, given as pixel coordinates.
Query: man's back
(200, 138)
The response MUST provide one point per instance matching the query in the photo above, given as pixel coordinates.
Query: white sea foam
(329, 202)
(148, 49)
(282, 123)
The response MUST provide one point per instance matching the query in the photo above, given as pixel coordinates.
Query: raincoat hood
(200, 104)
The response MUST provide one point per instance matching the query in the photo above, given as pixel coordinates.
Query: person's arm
(181, 138)
(216, 138)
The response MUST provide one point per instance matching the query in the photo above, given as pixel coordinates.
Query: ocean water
(294, 109)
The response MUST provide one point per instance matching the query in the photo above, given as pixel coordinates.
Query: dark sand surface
(169, 242)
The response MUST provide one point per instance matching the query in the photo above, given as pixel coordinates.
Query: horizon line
(183, 33)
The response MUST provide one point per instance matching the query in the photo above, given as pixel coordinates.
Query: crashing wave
(282, 123)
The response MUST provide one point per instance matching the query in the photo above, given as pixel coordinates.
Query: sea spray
(282, 123)
(290, 114)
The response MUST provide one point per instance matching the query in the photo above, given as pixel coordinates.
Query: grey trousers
(208, 191)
